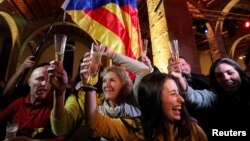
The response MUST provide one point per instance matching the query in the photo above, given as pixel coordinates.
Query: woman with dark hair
(233, 99)
(224, 72)
(164, 116)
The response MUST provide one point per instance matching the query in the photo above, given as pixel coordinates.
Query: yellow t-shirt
(67, 124)
(125, 129)
(197, 134)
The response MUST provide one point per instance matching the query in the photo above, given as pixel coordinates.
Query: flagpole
(26, 71)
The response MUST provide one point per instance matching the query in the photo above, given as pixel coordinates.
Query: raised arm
(11, 84)
(138, 68)
(199, 98)
(91, 108)
(90, 94)
(58, 80)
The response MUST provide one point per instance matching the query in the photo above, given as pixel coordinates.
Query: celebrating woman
(164, 116)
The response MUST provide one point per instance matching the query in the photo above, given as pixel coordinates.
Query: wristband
(87, 87)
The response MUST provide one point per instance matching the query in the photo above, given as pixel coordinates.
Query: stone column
(179, 25)
(159, 35)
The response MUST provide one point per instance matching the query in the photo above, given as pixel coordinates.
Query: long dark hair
(149, 98)
(235, 65)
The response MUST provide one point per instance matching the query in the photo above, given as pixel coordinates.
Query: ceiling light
(247, 24)
(200, 26)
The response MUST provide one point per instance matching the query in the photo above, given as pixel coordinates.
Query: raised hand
(174, 67)
(85, 74)
(84, 66)
(144, 59)
(107, 51)
(57, 76)
(28, 62)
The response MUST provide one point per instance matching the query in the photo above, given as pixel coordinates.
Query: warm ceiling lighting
(242, 57)
(200, 26)
(247, 24)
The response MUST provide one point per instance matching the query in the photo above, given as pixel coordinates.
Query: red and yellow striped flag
(114, 23)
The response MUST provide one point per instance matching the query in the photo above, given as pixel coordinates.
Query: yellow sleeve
(198, 134)
(114, 129)
(93, 81)
(65, 125)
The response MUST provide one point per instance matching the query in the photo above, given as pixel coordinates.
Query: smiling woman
(231, 85)
(164, 116)
(172, 101)
(119, 99)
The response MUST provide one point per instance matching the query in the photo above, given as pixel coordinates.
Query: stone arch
(210, 34)
(224, 12)
(234, 45)
(14, 36)
(13, 28)
(81, 41)
(35, 32)
(219, 26)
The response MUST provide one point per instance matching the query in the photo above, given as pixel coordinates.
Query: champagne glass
(174, 50)
(60, 43)
(11, 130)
(145, 44)
(95, 63)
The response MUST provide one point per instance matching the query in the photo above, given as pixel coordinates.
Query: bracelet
(87, 87)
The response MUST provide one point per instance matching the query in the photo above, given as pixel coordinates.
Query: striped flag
(114, 23)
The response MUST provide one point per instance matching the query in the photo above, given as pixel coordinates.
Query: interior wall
(241, 63)
(205, 61)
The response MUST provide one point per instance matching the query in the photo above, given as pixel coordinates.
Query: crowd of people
(155, 106)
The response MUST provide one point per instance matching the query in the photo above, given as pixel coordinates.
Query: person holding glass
(119, 116)
(227, 107)
(139, 68)
(119, 101)
(164, 116)
(32, 112)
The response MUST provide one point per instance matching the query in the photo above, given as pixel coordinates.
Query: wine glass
(174, 50)
(11, 130)
(60, 43)
(145, 44)
(95, 63)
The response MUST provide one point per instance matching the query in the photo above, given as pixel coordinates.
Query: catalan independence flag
(114, 23)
